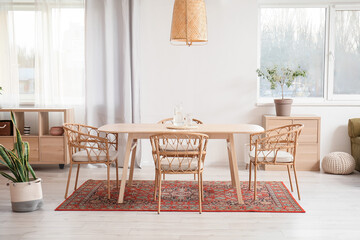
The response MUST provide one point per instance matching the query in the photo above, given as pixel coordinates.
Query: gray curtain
(112, 84)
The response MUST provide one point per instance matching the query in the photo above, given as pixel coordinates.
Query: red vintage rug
(182, 196)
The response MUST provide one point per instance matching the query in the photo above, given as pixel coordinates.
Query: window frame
(329, 98)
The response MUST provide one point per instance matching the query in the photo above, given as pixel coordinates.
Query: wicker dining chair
(88, 146)
(275, 147)
(170, 121)
(179, 153)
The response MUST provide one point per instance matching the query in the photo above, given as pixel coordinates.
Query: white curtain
(112, 89)
(42, 53)
(9, 75)
(59, 40)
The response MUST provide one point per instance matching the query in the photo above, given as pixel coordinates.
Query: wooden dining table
(214, 131)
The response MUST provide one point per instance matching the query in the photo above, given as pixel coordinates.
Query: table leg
(125, 168)
(230, 163)
(132, 165)
(235, 169)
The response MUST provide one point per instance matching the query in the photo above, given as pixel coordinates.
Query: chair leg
(77, 176)
(297, 185)
(155, 184)
(250, 175)
(255, 186)
(202, 186)
(200, 195)
(108, 180)
(159, 195)
(194, 176)
(117, 173)
(68, 181)
(163, 176)
(288, 168)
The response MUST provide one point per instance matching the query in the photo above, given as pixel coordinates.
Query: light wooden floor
(332, 205)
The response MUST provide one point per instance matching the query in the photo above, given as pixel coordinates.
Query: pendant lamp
(189, 24)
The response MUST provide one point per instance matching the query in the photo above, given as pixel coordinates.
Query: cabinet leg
(61, 166)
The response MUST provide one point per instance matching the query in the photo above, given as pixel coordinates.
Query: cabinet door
(307, 157)
(309, 134)
(34, 148)
(52, 150)
(7, 142)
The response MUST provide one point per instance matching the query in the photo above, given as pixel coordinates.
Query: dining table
(136, 131)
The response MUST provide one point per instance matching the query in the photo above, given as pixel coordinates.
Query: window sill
(315, 104)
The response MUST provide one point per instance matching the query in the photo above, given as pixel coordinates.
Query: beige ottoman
(338, 163)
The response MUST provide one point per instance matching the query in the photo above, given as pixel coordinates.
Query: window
(324, 41)
(346, 53)
(24, 25)
(46, 51)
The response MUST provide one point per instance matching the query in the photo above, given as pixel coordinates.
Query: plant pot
(26, 196)
(283, 106)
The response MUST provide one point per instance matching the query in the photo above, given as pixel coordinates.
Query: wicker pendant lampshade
(189, 25)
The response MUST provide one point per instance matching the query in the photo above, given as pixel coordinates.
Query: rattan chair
(179, 153)
(88, 146)
(170, 120)
(275, 147)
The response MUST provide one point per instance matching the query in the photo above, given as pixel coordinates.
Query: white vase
(26, 196)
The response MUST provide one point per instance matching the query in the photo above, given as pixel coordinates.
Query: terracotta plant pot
(57, 131)
(26, 196)
(283, 106)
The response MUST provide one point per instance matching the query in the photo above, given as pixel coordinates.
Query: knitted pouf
(338, 163)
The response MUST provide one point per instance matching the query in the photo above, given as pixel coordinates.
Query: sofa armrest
(354, 127)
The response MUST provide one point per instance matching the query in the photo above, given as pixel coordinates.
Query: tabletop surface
(162, 128)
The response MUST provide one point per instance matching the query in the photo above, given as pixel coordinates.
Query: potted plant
(25, 187)
(283, 76)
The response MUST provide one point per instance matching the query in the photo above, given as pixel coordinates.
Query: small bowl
(57, 131)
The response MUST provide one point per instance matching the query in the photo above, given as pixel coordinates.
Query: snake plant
(17, 160)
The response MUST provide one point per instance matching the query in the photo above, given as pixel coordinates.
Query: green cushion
(355, 140)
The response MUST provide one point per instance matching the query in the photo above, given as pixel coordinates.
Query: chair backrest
(170, 120)
(354, 127)
(179, 151)
(272, 141)
(82, 137)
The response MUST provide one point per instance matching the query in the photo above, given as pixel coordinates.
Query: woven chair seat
(180, 164)
(95, 156)
(178, 147)
(268, 156)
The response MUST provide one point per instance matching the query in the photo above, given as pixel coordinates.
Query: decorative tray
(184, 127)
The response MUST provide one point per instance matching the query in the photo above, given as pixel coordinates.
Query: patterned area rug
(182, 196)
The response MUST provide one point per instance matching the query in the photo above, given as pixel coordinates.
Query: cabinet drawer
(52, 150)
(274, 123)
(309, 134)
(34, 148)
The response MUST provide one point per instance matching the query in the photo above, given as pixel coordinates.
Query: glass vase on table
(178, 119)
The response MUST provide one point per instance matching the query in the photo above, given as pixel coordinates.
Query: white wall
(216, 82)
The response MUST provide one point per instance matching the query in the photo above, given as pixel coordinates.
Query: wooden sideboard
(308, 150)
(44, 148)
